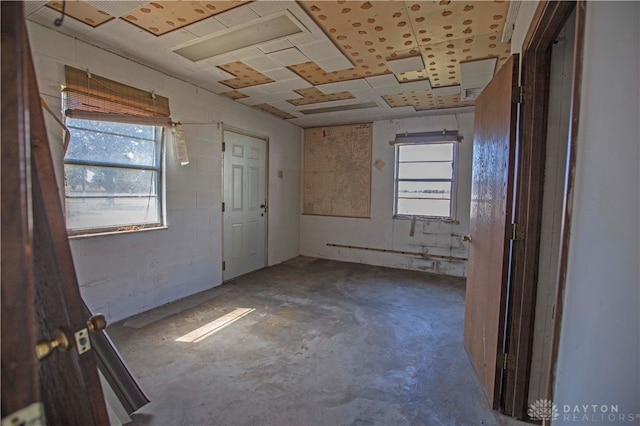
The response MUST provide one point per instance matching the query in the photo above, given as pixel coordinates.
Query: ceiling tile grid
(406, 56)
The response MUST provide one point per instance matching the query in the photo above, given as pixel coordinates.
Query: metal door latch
(61, 341)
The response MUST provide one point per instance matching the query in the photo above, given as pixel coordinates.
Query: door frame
(232, 129)
(548, 20)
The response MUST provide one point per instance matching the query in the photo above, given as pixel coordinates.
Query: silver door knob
(466, 238)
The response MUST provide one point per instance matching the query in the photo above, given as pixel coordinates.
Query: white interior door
(245, 202)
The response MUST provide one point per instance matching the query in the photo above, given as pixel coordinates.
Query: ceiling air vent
(262, 30)
(471, 93)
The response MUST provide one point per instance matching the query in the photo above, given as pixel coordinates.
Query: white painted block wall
(121, 275)
(599, 353)
(382, 231)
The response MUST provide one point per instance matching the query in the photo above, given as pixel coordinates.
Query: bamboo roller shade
(94, 94)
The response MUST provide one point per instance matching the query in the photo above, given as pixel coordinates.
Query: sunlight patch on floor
(214, 326)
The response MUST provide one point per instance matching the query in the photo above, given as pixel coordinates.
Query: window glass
(424, 180)
(113, 176)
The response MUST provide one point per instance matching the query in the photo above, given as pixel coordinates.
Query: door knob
(466, 238)
(59, 341)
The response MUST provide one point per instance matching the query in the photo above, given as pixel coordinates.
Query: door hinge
(506, 362)
(520, 94)
(224, 265)
(224, 146)
(223, 207)
(31, 415)
(515, 232)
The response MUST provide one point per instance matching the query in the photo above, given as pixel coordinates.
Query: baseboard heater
(407, 253)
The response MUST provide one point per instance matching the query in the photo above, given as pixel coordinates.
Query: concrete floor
(329, 343)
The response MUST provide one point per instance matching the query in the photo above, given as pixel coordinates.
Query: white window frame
(427, 139)
(160, 169)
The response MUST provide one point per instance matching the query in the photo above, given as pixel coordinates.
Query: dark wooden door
(40, 295)
(491, 203)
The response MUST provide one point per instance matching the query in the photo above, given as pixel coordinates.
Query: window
(113, 176)
(114, 160)
(425, 179)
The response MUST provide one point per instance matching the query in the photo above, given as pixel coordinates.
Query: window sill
(427, 218)
(115, 232)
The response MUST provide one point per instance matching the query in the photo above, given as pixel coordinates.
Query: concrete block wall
(382, 231)
(128, 273)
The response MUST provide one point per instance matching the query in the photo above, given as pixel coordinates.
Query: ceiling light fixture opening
(258, 31)
(340, 108)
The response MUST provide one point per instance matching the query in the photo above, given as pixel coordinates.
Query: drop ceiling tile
(281, 73)
(405, 77)
(234, 94)
(160, 17)
(245, 76)
(214, 86)
(263, 64)
(319, 50)
(344, 86)
(204, 80)
(280, 97)
(247, 52)
(115, 8)
(45, 16)
(275, 46)
(446, 90)
(216, 74)
(236, 16)
(446, 21)
(83, 12)
(336, 63)
(284, 106)
(220, 60)
(415, 85)
(404, 110)
(32, 6)
(366, 95)
(253, 91)
(421, 99)
(386, 80)
(389, 90)
(288, 57)
(312, 96)
(285, 86)
(172, 39)
(305, 19)
(164, 17)
(205, 27)
(306, 38)
(121, 32)
(413, 63)
(477, 73)
(274, 111)
(252, 100)
(264, 8)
